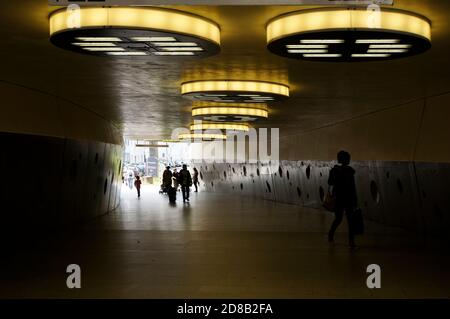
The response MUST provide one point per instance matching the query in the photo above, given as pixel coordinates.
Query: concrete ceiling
(143, 96)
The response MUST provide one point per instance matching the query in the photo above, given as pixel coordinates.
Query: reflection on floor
(219, 246)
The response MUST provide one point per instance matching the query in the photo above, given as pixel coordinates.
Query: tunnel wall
(401, 156)
(61, 163)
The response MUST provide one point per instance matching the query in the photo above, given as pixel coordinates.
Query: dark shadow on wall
(53, 183)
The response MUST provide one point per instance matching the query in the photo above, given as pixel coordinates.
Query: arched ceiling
(143, 96)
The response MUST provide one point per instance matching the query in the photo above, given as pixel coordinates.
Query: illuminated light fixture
(153, 39)
(390, 46)
(322, 41)
(175, 44)
(173, 53)
(325, 55)
(151, 29)
(233, 91)
(202, 136)
(229, 112)
(347, 32)
(99, 49)
(190, 49)
(370, 41)
(370, 55)
(162, 141)
(99, 39)
(307, 46)
(387, 51)
(95, 44)
(133, 53)
(220, 126)
(308, 51)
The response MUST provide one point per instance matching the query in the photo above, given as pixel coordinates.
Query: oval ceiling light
(235, 91)
(229, 112)
(220, 126)
(134, 31)
(202, 136)
(348, 34)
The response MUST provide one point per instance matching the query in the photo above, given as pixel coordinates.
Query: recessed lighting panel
(134, 29)
(94, 44)
(387, 51)
(234, 91)
(346, 33)
(307, 46)
(371, 41)
(328, 41)
(98, 39)
(390, 46)
(308, 51)
(173, 53)
(153, 39)
(370, 55)
(174, 44)
(106, 49)
(325, 55)
(134, 53)
(191, 49)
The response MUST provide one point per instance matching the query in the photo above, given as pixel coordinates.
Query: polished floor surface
(219, 246)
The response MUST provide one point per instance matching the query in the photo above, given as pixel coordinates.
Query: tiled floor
(219, 246)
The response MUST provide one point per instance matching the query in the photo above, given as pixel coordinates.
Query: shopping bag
(329, 202)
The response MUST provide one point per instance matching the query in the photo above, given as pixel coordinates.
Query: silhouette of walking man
(185, 180)
(195, 181)
(342, 180)
(137, 184)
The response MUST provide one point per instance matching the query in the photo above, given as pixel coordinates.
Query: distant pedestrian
(185, 180)
(175, 179)
(167, 179)
(195, 179)
(342, 181)
(130, 178)
(137, 184)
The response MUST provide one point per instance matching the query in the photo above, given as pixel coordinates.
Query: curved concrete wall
(61, 163)
(401, 156)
